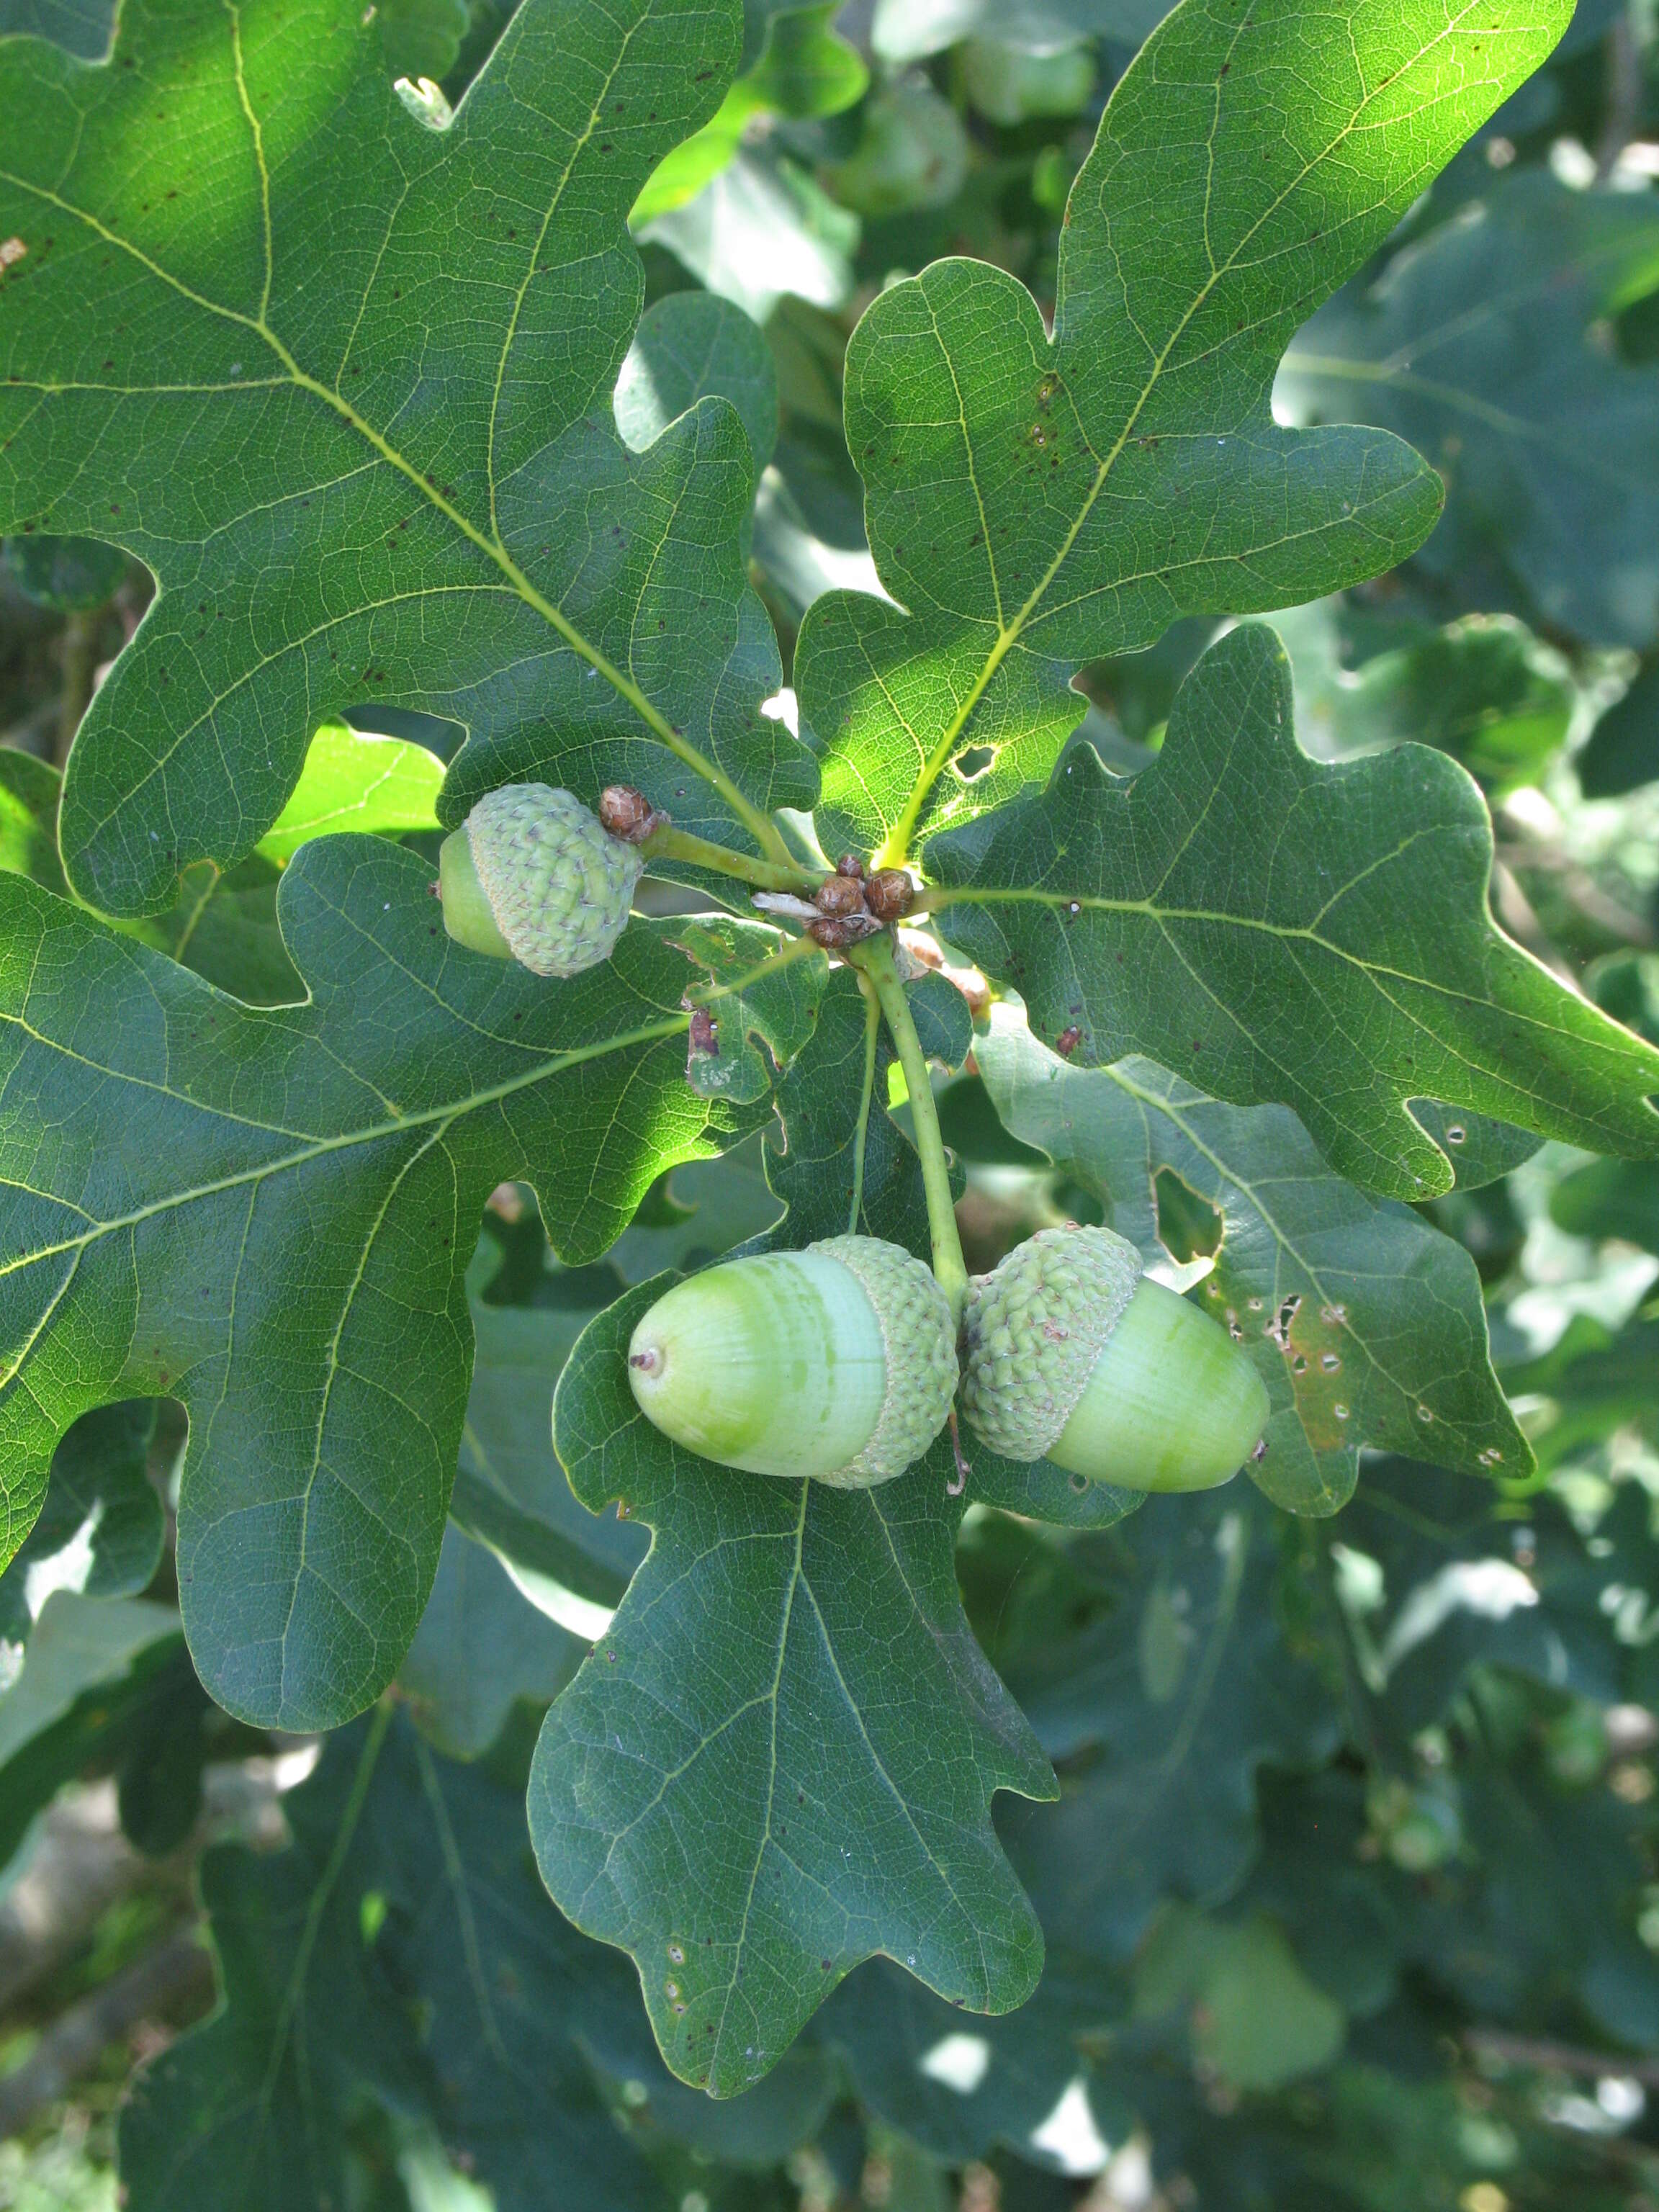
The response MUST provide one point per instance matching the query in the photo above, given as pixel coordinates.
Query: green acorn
(1072, 1356)
(838, 1362)
(532, 876)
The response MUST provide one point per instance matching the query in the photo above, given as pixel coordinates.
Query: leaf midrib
(759, 825)
(1621, 1044)
(895, 847)
(450, 1111)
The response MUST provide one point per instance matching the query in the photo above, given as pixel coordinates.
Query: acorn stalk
(875, 959)
(1072, 1355)
(837, 1362)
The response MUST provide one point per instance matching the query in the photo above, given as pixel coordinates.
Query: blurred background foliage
(1352, 1898)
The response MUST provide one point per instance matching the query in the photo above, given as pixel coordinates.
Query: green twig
(872, 1032)
(668, 844)
(875, 956)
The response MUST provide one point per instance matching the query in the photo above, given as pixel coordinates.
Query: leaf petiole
(668, 844)
(875, 958)
(791, 950)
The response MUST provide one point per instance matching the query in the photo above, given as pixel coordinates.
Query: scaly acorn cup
(532, 876)
(1071, 1355)
(837, 1362)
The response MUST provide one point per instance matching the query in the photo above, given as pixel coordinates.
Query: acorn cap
(917, 1336)
(1034, 1329)
(533, 873)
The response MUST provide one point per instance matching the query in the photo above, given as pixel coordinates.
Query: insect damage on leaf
(1270, 928)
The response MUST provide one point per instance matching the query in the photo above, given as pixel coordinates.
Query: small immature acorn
(850, 865)
(837, 1362)
(532, 876)
(1071, 1355)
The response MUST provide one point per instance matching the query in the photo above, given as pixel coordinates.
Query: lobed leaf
(343, 381)
(396, 1954)
(1032, 504)
(1269, 928)
(267, 1214)
(102, 1526)
(481, 1646)
(780, 1757)
(1160, 1714)
(1478, 343)
(1364, 1322)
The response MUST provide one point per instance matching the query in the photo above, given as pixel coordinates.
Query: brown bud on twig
(890, 894)
(628, 813)
(834, 931)
(850, 865)
(839, 895)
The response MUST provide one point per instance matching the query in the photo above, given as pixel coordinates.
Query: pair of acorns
(842, 1361)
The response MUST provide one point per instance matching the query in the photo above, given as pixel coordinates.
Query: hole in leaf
(1188, 1226)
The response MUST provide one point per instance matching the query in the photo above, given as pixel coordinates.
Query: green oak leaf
(1480, 343)
(1610, 1198)
(70, 575)
(1272, 929)
(1365, 1323)
(480, 1645)
(688, 345)
(1032, 504)
(29, 817)
(959, 2086)
(343, 381)
(223, 923)
(269, 1214)
(102, 1526)
(399, 1953)
(1158, 1715)
(1463, 1586)
(98, 1672)
(353, 780)
(765, 1009)
(781, 1757)
(1623, 752)
(510, 1492)
(871, 1187)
